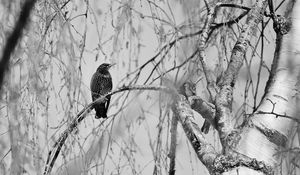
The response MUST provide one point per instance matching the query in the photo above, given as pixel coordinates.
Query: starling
(101, 84)
(189, 89)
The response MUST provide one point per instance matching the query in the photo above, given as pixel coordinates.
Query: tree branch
(14, 37)
(173, 144)
(211, 83)
(54, 152)
(224, 163)
(224, 97)
(211, 80)
(205, 151)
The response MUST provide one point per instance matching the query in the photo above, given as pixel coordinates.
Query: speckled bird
(189, 89)
(101, 84)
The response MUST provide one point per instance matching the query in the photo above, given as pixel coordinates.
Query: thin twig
(173, 144)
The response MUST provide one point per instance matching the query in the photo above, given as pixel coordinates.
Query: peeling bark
(224, 97)
(204, 150)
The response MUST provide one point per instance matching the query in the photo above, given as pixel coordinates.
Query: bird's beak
(111, 65)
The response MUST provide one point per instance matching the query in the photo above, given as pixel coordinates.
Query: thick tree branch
(173, 144)
(14, 37)
(274, 120)
(224, 97)
(211, 83)
(208, 27)
(275, 114)
(279, 36)
(205, 151)
(188, 89)
(210, 78)
(225, 163)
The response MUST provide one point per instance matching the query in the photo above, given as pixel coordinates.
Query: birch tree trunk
(268, 129)
(252, 148)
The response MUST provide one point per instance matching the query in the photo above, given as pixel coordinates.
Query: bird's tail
(100, 111)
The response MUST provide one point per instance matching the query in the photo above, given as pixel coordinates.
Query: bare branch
(223, 163)
(173, 144)
(54, 152)
(14, 37)
(279, 115)
(211, 83)
(205, 151)
(224, 97)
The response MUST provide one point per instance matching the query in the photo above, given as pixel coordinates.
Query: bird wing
(100, 85)
(107, 103)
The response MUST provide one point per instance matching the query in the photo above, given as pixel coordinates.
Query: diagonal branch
(54, 152)
(14, 37)
(205, 151)
(224, 97)
(211, 84)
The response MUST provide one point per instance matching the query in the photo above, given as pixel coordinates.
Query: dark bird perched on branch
(101, 84)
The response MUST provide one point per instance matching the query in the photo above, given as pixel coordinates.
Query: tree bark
(267, 131)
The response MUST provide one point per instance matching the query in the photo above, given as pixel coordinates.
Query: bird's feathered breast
(101, 84)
